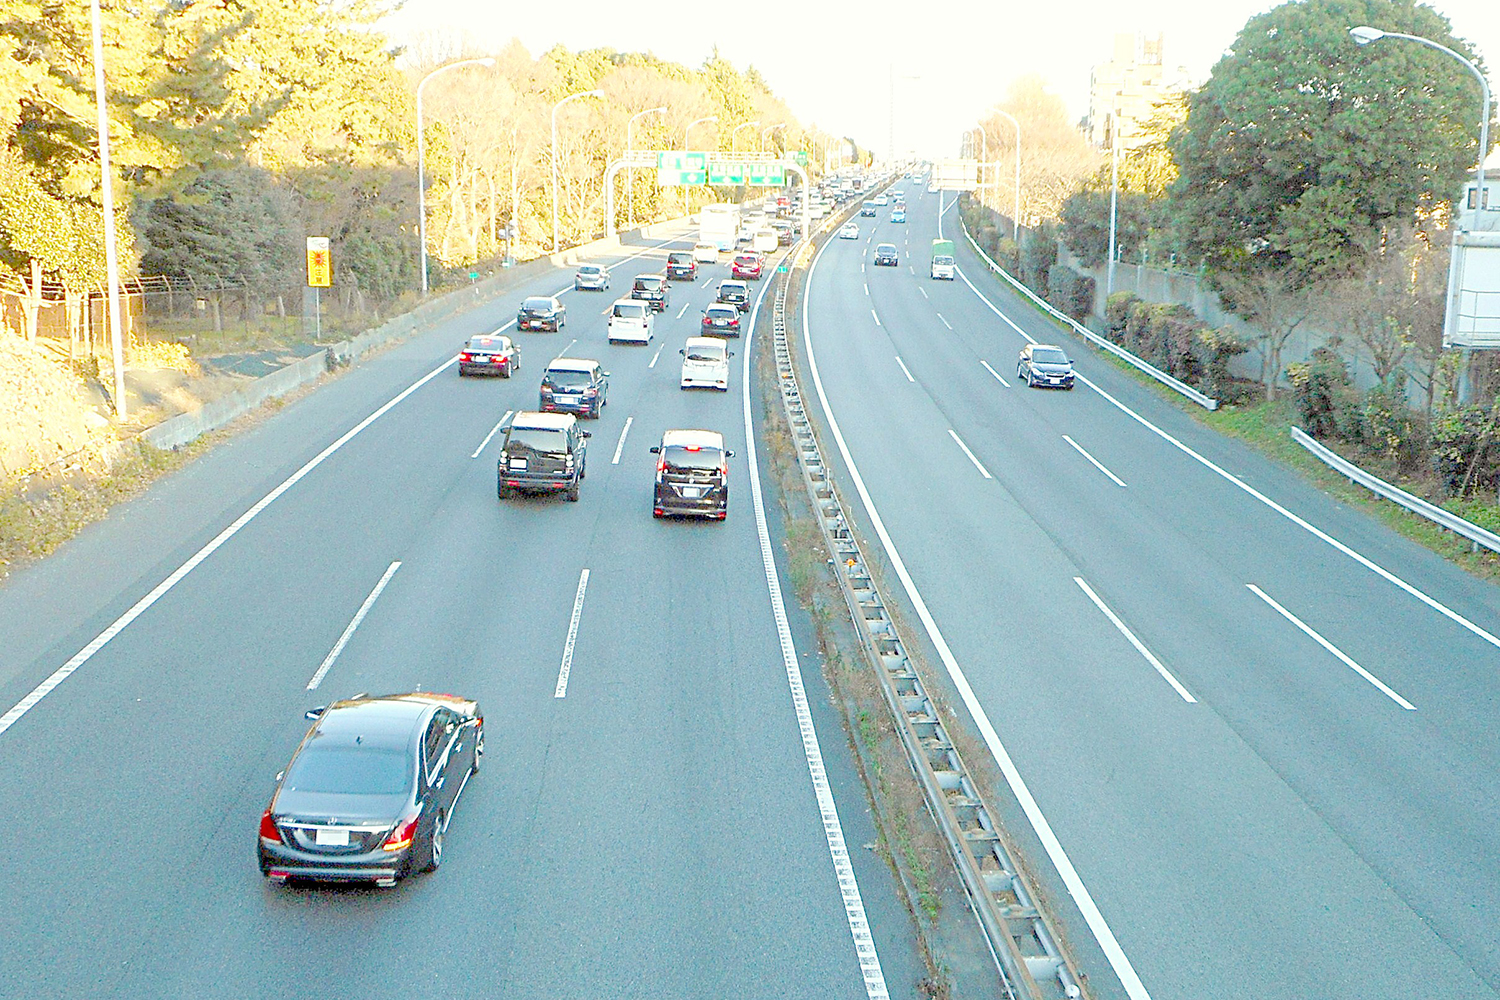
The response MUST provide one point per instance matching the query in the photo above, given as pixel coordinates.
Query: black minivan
(542, 453)
(692, 475)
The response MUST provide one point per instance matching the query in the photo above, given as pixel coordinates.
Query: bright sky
(833, 62)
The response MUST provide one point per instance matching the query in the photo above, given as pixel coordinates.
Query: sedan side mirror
(314, 714)
(587, 434)
(655, 450)
(728, 454)
(605, 374)
(731, 354)
(682, 350)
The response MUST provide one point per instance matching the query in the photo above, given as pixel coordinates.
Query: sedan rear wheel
(434, 851)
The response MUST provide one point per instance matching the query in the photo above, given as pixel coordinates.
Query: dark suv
(542, 312)
(542, 453)
(720, 320)
(681, 266)
(692, 475)
(1045, 364)
(734, 293)
(886, 255)
(574, 385)
(651, 288)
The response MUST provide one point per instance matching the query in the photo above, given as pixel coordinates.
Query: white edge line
(1364, 561)
(1098, 926)
(621, 446)
(566, 667)
(1094, 461)
(1315, 637)
(81, 657)
(833, 830)
(904, 370)
(1140, 647)
(994, 373)
(359, 616)
(960, 442)
(493, 430)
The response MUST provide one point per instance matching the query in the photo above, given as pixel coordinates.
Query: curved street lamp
(696, 121)
(630, 172)
(565, 100)
(421, 159)
(736, 131)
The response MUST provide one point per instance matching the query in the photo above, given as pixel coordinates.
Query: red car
(746, 265)
(489, 355)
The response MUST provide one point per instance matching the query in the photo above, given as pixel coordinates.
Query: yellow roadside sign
(319, 262)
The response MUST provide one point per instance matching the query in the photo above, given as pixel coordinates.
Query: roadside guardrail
(1476, 535)
(1207, 402)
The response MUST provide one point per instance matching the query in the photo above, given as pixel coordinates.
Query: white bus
(719, 224)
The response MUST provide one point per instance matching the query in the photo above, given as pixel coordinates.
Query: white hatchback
(631, 320)
(705, 364)
(706, 253)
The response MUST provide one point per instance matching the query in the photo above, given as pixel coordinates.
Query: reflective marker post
(319, 277)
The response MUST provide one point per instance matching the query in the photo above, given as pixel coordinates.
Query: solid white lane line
(1386, 574)
(1369, 564)
(621, 446)
(683, 309)
(1096, 463)
(924, 292)
(81, 657)
(877, 318)
(812, 752)
(359, 616)
(498, 424)
(904, 369)
(656, 355)
(1072, 881)
(994, 373)
(944, 321)
(959, 441)
(567, 657)
(1315, 637)
(501, 329)
(1139, 646)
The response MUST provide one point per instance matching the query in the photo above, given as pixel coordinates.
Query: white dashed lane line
(359, 616)
(1093, 461)
(498, 424)
(904, 370)
(995, 373)
(960, 442)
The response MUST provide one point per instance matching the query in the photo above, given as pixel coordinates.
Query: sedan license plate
(481, 358)
(331, 837)
(518, 465)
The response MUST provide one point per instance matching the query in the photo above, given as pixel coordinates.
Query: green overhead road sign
(755, 173)
(801, 157)
(676, 168)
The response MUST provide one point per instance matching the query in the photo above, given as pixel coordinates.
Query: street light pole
(565, 100)
(107, 205)
(699, 121)
(421, 159)
(1114, 196)
(1016, 222)
(630, 171)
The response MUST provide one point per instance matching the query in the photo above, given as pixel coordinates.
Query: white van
(705, 364)
(631, 320)
(765, 240)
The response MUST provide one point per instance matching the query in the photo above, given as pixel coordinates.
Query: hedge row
(1174, 339)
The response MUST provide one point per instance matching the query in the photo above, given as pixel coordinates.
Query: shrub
(1388, 425)
(1038, 254)
(1456, 434)
(1216, 348)
(1008, 256)
(1317, 386)
(1070, 292)
(1117, 313)
(1137, 326)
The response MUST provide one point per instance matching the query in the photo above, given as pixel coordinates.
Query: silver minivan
(631, 321)
(705, 364)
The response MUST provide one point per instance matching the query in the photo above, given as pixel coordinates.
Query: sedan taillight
(402, 836)
(268, 828)
(464, 356)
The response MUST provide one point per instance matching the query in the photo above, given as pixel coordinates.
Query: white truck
(942, 260)
(719, 224)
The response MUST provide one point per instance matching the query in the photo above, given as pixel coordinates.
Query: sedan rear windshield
(679, 457)
(629, 310)
(886, 248)
(1049, 357)
(486, 344)
(537, 305)
(543, 440)
(722, 314)
(350, 770)
(566, 377)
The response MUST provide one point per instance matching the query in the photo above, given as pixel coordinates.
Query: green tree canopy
(1303, 147)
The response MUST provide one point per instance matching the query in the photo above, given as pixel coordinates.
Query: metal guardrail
(1207, 402)
(1447, 519)
(1019, 934)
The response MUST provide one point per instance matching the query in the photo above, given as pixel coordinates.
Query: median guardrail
(1207, 402)
(1446, 518)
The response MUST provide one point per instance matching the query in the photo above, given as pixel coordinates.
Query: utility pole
(107, 202)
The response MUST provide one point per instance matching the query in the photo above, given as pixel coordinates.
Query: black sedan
(371, 790)
(488, 354)
(542, 312)
(1045, 364)
(886, 255)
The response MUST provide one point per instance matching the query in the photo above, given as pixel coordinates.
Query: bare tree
(1277, 305)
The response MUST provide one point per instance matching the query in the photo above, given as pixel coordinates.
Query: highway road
(647, 826)
(1257, 725)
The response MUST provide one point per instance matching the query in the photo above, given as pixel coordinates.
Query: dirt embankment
(46, 422)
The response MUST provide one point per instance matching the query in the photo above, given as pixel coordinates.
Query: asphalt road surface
(1283, 781)
(650, 831)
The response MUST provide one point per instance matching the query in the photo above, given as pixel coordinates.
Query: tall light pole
(107, 204)
(697, 121)
(736, 131)
(1364, 35)
(767, 131)
(565, 100)
(421, 158)
(1114, 194)
(1016, 222)
(629, 171)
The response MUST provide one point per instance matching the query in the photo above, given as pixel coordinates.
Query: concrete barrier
(184, 428)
